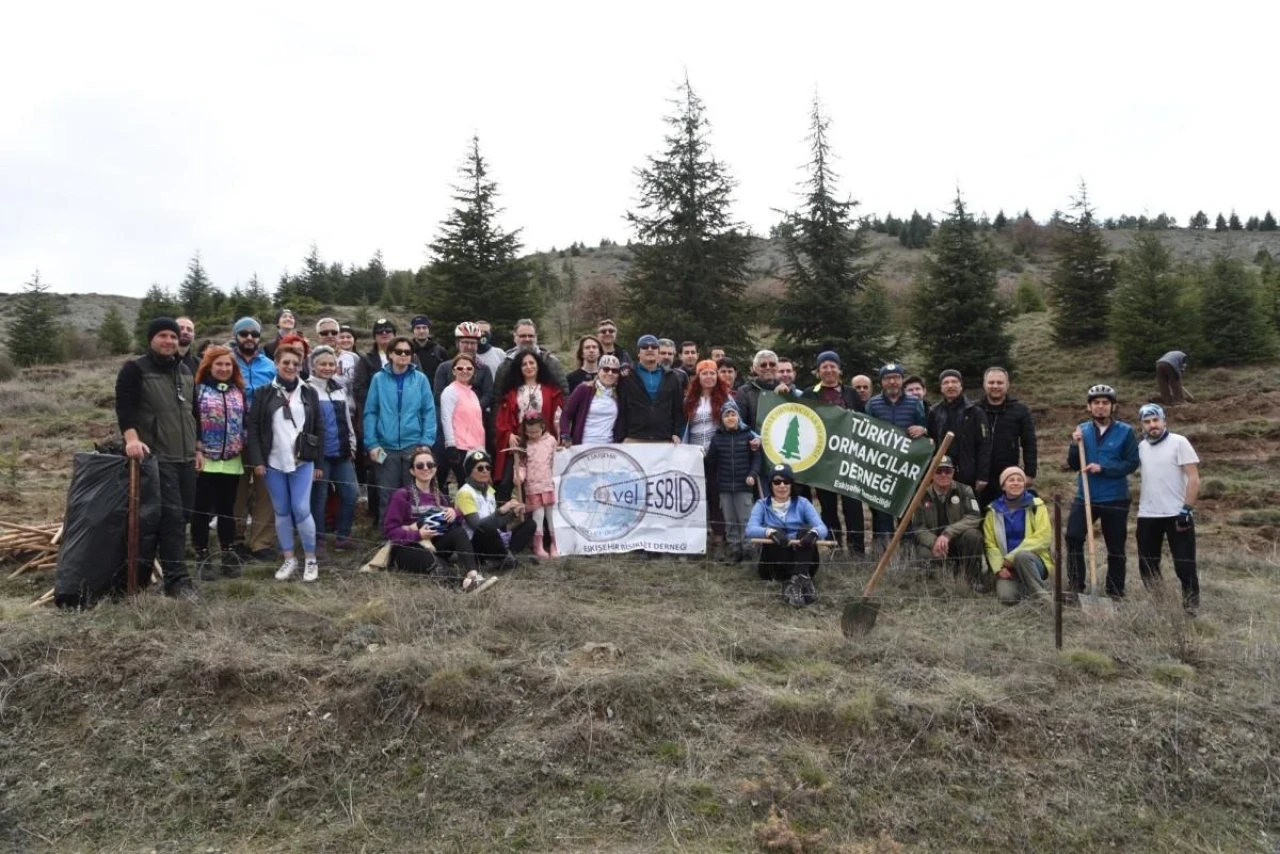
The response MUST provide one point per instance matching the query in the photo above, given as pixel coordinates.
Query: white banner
(618, 498)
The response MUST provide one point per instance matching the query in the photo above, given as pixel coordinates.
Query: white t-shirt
(1164, 482)
(603, 412)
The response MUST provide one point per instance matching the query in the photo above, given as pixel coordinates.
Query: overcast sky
(133, 135)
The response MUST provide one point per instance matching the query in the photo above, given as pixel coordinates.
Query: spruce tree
(958, 320)
(1233, 329)
(1220, 224)
(690, 273)
(34, 330)
(1000, 221)
(1148, 315)
(1268, 223)
(196, 290)
(1233, 222)
(1083, 276)
(476, 270)
(1200, 221)
(826, 269)
(113, 334)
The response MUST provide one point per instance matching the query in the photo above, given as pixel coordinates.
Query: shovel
(859, 616)
(135, 487)
(1090, 603)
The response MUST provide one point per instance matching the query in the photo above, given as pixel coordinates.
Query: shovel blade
(859, 617)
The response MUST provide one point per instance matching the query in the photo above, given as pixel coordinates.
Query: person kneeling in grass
(419, 516)
(793, 528)
(1017, 535)
(487, 524)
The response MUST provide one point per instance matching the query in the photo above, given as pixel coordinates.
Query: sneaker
(230, 564)
(475, 582)
(808, 592)
(287, 569)
(792, 593)
(311, 570)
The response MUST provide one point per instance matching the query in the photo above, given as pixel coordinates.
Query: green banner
(843, 451)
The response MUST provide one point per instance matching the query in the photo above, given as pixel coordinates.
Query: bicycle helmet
(1101, 390)
(467, 329)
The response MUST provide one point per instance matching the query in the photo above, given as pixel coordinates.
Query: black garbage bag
(95, 529)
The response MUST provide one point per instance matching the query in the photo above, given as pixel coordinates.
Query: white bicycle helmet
(466, 329)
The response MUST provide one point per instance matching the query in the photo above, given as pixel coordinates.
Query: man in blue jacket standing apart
(1111, 451)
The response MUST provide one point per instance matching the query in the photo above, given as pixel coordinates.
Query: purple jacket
(400, 512)
(573, 420)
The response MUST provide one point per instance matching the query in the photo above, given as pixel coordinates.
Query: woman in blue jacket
(399, 415)
(793, 527)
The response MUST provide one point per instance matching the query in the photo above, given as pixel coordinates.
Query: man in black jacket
(426, 349)
(153, 408)
(999, 434)
(650, 399)
(948, 414)
(829, 390)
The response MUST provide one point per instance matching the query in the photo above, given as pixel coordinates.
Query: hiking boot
(808, 592)
(311, 570)
(184, 591)
(793, 593)
(475, 582)
(230, 564)
(287, 569)
(204, 565)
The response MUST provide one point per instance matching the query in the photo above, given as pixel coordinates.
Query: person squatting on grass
(221, 416)
(1017, 534)
(535, 473)
(1166, 505)
(735, 462)
(286, 435)
(793, 527)
(336, 464)
(487, 524)
(425, 532)
(1111, 455)
(948, 525)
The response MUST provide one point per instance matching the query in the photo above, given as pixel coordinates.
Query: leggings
(291, 499)
(414, 558)
(215, 497)
(341, 474)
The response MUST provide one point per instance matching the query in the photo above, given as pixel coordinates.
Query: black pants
(1151, 534)
(1113, 517)
(834, 502)
(882, 527)
(488, 545)
(779, 563)
(215, 497)
(416, 559)
(177, 493)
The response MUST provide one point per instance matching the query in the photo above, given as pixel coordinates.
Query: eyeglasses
(248, 334)
(609, 370)
(424, 466)
(777, 481)
(399, 352)
(481, 467)
(462, 370)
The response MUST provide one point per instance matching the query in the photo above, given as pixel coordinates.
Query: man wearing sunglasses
(399, 415)
(328, 331)
(764, 377)
(650, 399)
(607, 331)
(252, 498)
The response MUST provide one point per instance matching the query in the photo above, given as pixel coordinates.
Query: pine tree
(689, 277)
(157, 302)
(34, 330)
(915, 234)
(113, 334)
(1252, 224)
(196, 290)
(476, 270)
(1148, 315)
(956, 316)
(1233, 222)
(1268, 223)
(314, 281)
(258, 301)
(1233, 329)
(1000, 221)
(826, 269)
(1200, 221)
(1083, 277)
(1220, 224)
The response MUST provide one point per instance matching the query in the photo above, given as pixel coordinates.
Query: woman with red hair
(219, 409)
(706, 394)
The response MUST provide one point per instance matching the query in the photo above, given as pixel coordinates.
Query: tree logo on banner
(793, 434)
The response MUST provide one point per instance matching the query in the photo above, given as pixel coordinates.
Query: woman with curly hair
(220, 413)
(528, 387)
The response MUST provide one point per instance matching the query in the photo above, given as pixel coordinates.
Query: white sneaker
(311, 571)
(287, 569)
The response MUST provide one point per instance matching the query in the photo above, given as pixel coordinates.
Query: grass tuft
(1088, 664)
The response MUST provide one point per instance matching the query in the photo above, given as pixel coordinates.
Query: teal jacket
(399, 414)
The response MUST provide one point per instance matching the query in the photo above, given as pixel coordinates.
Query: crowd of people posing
(254, 438)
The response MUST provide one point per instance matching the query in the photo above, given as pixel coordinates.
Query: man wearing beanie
(154, 394)
(832, 392)
(426, 350)
(252, 498)
(948, 414)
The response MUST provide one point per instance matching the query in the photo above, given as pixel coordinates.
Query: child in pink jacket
(534, 471)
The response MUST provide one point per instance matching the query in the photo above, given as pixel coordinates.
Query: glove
(1185, 519)
(808, 539)
(779, 538)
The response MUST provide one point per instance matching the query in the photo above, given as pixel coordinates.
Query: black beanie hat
(161, 324)
(474, 458)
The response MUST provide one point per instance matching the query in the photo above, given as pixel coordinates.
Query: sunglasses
(248, 334)
(325, 333)
(399, 352)
(649, 347)
(461, 370)
(424, 466)
(384, 332)
(609, 370)
(768, 364)
(608, 331)
(481, 467)
(777, 481)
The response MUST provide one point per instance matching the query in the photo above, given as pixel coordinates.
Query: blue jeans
(291, 500)
(342, 474)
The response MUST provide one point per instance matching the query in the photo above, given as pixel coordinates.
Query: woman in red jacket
(529, 389)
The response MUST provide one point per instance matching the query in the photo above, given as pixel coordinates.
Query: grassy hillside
(611, 705)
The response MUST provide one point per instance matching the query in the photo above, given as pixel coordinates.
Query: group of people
(285, 432)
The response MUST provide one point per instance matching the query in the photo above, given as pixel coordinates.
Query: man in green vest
(948, 525)
(153, 408)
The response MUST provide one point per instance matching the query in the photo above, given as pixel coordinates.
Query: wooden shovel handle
(906, 518)
(1088, 519)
